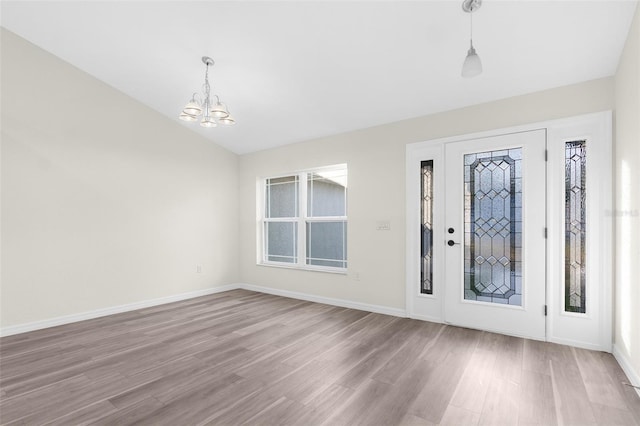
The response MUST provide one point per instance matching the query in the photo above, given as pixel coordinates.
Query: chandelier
(212, 114)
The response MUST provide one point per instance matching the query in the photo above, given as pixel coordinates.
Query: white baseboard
(326, 300)
(580, 344)
(37, 325)
(426, 318)
(632, 374)
(67, 319)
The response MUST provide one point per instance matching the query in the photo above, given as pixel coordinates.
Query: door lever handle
(451, 243)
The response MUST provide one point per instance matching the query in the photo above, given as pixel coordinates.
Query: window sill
(337, 271)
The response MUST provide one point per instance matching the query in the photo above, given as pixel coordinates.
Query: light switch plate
(383, 225)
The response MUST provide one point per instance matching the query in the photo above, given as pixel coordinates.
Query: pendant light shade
(228, 120)
(219, 110)
(187, 117)
(472, 65)
(192, 108)
(208, 122)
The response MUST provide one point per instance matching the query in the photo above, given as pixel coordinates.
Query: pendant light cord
(471, 27)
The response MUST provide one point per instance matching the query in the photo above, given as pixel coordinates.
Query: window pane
(327, 193)
(327, 244)
(281, 241)
(575, 227)
(426, 219)
(282, 197)
(493, 224)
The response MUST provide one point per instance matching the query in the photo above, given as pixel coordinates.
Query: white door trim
(592, 330)
(416, 303)
(433, 149)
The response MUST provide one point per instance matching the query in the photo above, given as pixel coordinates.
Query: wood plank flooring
(248, 358)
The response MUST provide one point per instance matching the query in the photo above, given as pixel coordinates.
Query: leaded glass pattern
(493, 226)
(575, 226)
(426, 222)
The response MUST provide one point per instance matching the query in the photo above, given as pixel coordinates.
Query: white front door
(495, 233)
(496, 194)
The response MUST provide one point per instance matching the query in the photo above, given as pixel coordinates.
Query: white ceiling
(297, 70)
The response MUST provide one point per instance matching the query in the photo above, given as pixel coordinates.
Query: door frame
(596, 126)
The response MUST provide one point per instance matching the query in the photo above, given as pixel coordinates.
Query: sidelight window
(426, 223)
(575, 226)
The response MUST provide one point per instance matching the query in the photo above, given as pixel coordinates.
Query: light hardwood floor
(248, 358)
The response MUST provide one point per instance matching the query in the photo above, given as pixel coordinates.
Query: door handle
(451, 243)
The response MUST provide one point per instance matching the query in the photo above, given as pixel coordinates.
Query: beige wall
(113, 203)
(627, 197)
(104, 201)
(376, 161)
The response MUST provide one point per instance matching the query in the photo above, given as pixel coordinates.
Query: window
(575, 227)
(304, 220)
(426, 236)
(493, 226)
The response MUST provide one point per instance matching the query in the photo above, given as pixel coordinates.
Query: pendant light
(212, 114)
(472, 65)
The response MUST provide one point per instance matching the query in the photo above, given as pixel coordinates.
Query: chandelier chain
(205, 86)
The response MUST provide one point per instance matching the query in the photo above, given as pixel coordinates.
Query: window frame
(301, 221)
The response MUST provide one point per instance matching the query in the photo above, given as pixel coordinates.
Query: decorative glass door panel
(575, 226)
(495, 254)
(493, 226)
(426, 224)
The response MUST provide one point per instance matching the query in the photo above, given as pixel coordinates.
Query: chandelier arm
(196, 97)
